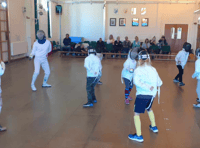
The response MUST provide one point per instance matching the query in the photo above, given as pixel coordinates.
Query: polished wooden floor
(54, 117)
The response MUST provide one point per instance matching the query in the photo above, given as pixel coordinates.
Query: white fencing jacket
(197, 69)
(41, 50)
(144, 78)
(182, 56)
(128, 64)
(2, 70)
(93, 65)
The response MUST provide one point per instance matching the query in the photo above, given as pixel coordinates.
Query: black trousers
(90, 85)
(180, 74)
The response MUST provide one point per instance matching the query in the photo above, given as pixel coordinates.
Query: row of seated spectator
(117, 46)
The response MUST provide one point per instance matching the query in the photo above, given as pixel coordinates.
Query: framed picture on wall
(112, 21)
(122, 22)
(145, 22)
(135, 22)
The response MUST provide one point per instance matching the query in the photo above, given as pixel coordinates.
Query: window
(179, 33)
(36, 18)
(172, 32)
(49, 19)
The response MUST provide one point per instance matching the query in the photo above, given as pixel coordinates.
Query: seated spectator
(136, 43)
(162, 41)
(67, 43)
(118, 45)
(126, 45)
(80, 48)
(153, 41)
(111, 40)
(100, 46)
(146, 44)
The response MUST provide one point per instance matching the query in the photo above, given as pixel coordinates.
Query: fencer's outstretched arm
(138, 81)
(32, 52)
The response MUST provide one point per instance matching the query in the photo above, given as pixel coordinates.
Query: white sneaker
(196, 105)
(33, 88)
(46, 85)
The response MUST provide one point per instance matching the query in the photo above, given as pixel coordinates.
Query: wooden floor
(54, 117)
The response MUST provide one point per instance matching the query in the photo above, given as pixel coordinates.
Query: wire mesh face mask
(40, 35)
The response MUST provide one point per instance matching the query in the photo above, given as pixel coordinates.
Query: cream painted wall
(158, 14)
(86, 20)
(129, 30)
(18, 20)
(83, 20)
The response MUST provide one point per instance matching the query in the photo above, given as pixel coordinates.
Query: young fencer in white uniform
(41, 48)
(2, 70)
(197, 76)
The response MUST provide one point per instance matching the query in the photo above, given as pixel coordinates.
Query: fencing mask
(133, 54)
(40, 34)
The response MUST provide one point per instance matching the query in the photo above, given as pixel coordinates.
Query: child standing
(146, 80)
(93, 67)
(197, 76)
(2, 69)
(40, 49)
(181, 60)
(127, 74)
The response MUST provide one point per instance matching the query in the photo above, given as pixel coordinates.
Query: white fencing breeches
(1, 103)
(198, 88)
(45, 66)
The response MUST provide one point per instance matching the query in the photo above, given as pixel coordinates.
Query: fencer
(2, 70)
(181, 60)
(127, 74)
(93, 67)
(147, 82)
(197, 76)
(41, 48)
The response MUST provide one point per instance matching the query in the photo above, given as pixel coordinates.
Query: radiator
(18, 48)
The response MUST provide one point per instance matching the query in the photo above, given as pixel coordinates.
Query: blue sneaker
(154, 129)
(135, 137)
(176, 81)
(88, 105)
(181, 84)
(95, 101)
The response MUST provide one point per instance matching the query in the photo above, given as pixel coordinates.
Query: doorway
(198, 37)
(176, 35)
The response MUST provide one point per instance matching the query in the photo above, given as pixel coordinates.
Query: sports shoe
(94, 101)
(197, 105)
(181, 84)
(33, 88)
(88, 105)
(126, 101)
(176, 81)
(100, 83)
(46, 85)
(2, 129)
(135, 137)
(198, 100)
(130, 98)
(154, 129)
